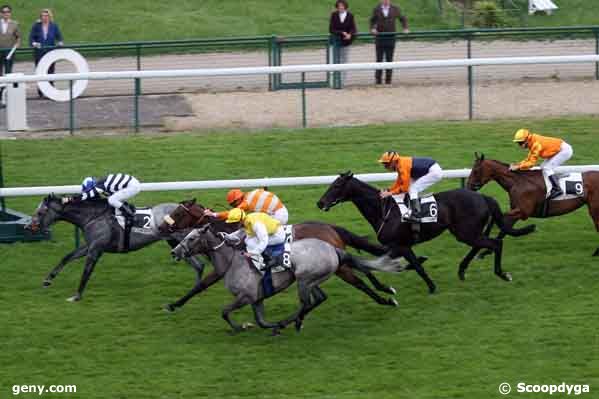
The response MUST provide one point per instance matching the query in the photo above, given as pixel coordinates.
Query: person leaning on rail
(342, 27)
(44, 35)
(10, 37)
(258, 200)
(555, 152)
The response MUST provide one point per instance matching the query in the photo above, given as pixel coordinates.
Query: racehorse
(463, 212)
(191, 214)
(102, 233)
(313, 261)
(527, 191)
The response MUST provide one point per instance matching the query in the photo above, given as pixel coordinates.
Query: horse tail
(382, 264)
(497, 217)
(360, 243)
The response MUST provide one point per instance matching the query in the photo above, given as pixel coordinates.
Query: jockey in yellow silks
(261, 231)
(555, 152)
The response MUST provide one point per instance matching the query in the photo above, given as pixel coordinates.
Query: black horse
(102, 233)
(465, 213)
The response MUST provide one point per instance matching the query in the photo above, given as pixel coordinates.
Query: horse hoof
(170, 308)
(393, 291)
(596, 253)
(299, 324)
(507, 276)
(275, 332)
(393, 302)
(462, 276)
(247, 326)
(432, 290)
(74, 298)
(47, 283)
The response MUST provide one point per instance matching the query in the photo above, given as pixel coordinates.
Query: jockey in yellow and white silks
(555, 152)
(258, 200)
(261, 230)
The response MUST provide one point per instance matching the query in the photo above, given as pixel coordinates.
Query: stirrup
(555, 192)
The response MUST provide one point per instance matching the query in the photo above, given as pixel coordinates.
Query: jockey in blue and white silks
(118, 187)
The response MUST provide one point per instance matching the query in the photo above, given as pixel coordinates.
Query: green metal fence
(310, 49)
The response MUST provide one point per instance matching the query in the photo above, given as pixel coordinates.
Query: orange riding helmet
(388, 157)
(234, 195)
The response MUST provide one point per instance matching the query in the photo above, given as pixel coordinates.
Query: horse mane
(507, 165)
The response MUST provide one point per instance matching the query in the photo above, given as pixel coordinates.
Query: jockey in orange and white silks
(414, 175)
(555, 152)
(258, 200)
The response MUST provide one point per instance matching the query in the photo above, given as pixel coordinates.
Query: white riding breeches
(117, 199)
(558, 159)
(256, 244)
(282, 215)
(434, 175)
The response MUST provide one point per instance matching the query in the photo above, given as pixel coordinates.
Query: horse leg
(466, 261)
(409, 254)
(258, 308)
(347, 275)
(380, 286)
(240, 301)
(76, 254)
(509, 222)
(594, 213)
(199, 287)
(496, 246)
(305, 299)
(90, 263)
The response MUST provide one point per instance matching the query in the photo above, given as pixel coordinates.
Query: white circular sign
(50, 58)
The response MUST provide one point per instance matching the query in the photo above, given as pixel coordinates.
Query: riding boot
(416, 211)
(556, 191)
(127, 211)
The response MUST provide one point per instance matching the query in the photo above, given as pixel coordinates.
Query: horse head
(336, 193)
(481, 172)
(187, 214)
(197, 241)
(46, 213)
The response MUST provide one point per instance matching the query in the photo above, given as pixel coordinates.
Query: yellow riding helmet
(521, 135)
(235, 215)
(388, 157)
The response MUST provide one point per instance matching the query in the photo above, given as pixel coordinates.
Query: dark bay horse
(191, 214)
(463, 212)
(527, 192)
(102, 233)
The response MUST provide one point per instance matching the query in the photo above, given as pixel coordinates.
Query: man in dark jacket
(383, 25)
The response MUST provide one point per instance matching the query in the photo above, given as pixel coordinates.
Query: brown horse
(527, 192)
(189, 214)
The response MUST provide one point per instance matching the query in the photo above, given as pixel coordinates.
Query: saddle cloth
(570, 183)
(143, 219)
(282, 251)
(428, 204)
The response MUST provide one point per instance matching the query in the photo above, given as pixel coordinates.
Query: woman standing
(44, 36)
(343, 27)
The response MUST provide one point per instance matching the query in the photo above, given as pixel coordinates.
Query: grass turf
(113, 21)
(461, 343)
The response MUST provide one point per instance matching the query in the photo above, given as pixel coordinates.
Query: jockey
(261, 231)
(119, 187)
(258, 200)
(555, 152)
(414, 175)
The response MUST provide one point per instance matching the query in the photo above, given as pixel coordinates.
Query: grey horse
(313, 261)
(102, 233)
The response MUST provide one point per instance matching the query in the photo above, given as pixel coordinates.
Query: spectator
(343, 27)
(9, 37)
(383, 21)
(44, 35)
